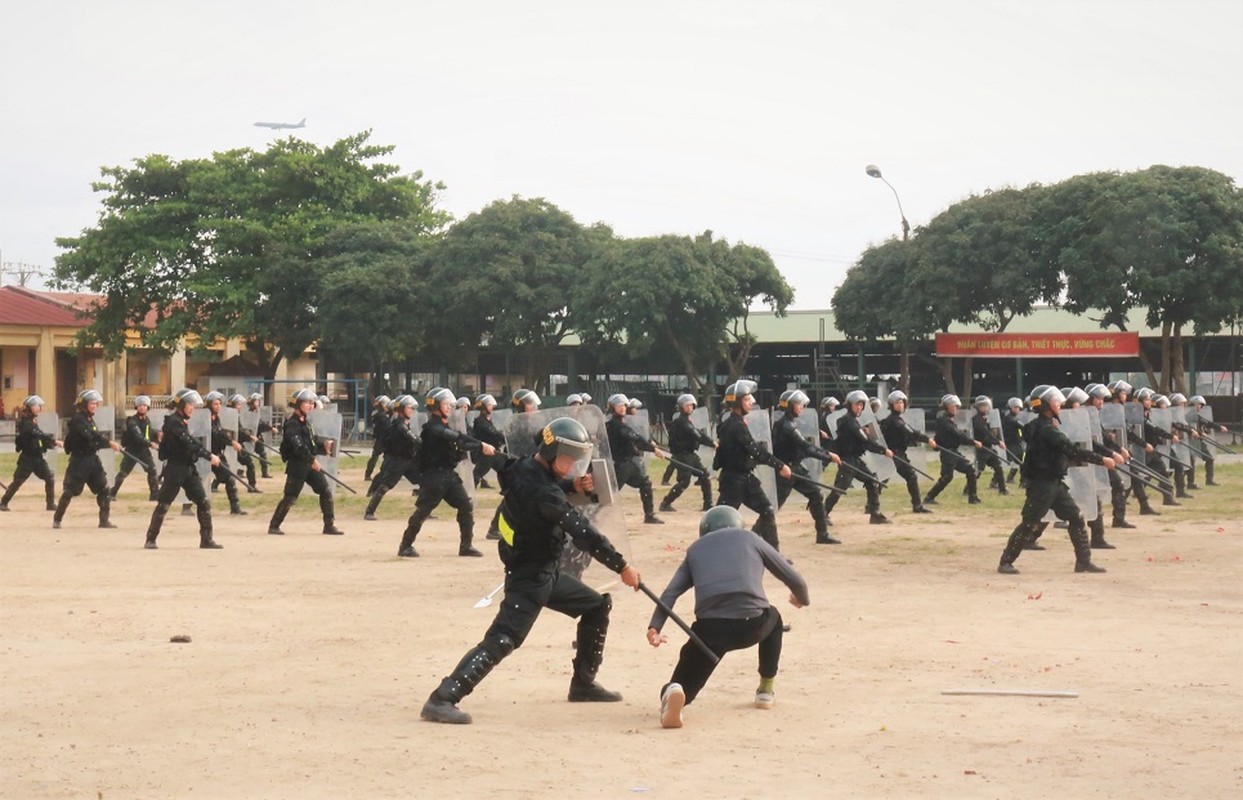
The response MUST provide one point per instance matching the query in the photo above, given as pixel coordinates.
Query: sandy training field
(310, 657)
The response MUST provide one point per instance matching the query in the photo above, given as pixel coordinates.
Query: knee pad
(600, 614)
(500, 646)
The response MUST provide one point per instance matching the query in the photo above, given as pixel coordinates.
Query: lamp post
(904, 352)
(874, 171)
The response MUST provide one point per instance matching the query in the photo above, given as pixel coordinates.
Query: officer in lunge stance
(439, 453)
(986, 457)
(627, 448)
(898, 438)
(379, 421)
(32, 443)
(948, 439)
(245, 457)
(1049, 454)
(790, 446)
(180, 452)
(137, 442)
(255, 404)
(220, 441)
(1012, 435)
(83, 443)
(684, 443)
(299, 446)
(852, 442)
(535, 519)
(401, 450)
(737, 454)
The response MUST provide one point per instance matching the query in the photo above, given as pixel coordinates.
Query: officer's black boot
(406, 548)
(252, 482)
(592, 628)
(1014, 548)
(374, 502)
(153, 486)
(61, 507)
(707, 492)
(116, 485)
(936, 489)
(263, 466)
(1208, 472)
(912, 488)
(1097, 526)
(8, 495)
(1013, 471)
(1083, 547)
(105, 510)
(1033, 538)
(157, 521)
(766, 527)
(466, 533)
(235, 507)
(279, 514)
(973, 496)
(328, 509)
(441, 706)
(821, 520)
(666, 505)
(205, 528)
(649, 503)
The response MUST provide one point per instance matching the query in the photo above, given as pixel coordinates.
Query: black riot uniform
(137, 441)
(1154, 460)
(627, 448)
(1049, 454)
(852, 442)
(401, 451)
(83, 441)
(222, 440)
(381, 421)
(485, 430)
(949, 439)
(1012, 435)
(900, 437)
(261, 449)
(440, 450)
(180, 451)
(299, 446)
(986, 457)
(791, 447)
(535, 520)
(684, 442)
(31, 443)
(737, 454)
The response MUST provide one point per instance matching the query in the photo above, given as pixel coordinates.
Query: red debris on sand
(1036, 596)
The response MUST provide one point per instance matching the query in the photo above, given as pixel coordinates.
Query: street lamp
(874, 171)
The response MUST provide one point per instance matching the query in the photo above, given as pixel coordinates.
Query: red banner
(1038, 345)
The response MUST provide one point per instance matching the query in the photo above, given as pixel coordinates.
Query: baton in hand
(700, 643)
(863, 476)
(338, 481)
(901, 460)
(698, 473)
(796, 476)
(136, 460)
(1218, 445)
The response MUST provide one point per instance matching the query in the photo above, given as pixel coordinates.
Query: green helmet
(718, 517)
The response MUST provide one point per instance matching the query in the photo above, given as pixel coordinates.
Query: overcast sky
(752, 119)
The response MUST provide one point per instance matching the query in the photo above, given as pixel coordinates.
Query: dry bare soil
(310, 657)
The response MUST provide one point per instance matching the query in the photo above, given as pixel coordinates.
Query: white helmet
(573, 399)
(950, 400)
(1015, 402)
(895, 396)
(142, 400)
(857, 396)
(683, 399)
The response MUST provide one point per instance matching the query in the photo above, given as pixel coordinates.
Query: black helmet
(566, 436)
(522, 397)
(718, 517)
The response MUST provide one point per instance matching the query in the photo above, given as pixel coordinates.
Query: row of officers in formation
(868, 441)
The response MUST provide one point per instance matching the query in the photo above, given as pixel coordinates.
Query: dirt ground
(312, 655)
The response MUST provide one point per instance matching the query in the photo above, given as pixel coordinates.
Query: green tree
(505, 275)
(229, 246)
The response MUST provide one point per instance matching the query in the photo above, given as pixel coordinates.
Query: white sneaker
(671, 703)
(765, 699)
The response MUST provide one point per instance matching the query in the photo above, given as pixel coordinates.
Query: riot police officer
(852, 442)
(948, 440)
(255, 404)
(379, 421)
(790, 446)
(83, 443)
(1012, 435)
(180, 452)
(32, 443)
(898, 438)
(627, 448)
(220, 441)
(137, 442)
(246, 458)
(485, 431)
(684, 443)
(986, 457)
(737, 454)
(401, 450)
(299, 448)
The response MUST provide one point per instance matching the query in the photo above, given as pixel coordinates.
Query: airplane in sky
(276, 126)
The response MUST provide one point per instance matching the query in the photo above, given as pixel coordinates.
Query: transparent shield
(199, 426)
(248, 421)
(882, 465)
(809, 428)
(1113, 432)
(1076, 425)
(157, 416)
(641, 423)
(1162, 419)
(229, 422)
(761, 427)
(702, 420)
(917, 420)
(1099, 473)
(460, 421)
(1082, 484)
(106, 423)
(994, 425)
(326, 427)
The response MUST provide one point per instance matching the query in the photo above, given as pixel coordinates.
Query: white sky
(754, 119)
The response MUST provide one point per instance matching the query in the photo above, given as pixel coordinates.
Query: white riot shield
(1099, 473)
(881, 465)
(1185, 450)
(601, 509)
(1075, 424)
(1025, 417)
(1134, 414)
(248, 421)
(994, 425)
(106, 423)
(761, 427)
(917, 420)
(229, 422)
(459, 421)
(809, 428)
(702, 420)
(326, 427)
(199, 426)
(641, 423)
(1162, 419)
(49, 423)
(1113, 429)
(1210, 431)
(962, 421)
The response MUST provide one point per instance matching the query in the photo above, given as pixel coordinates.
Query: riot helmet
(950, 400)
(436, 396)
(301, 396)
(255, 397)
(1145, 394)
(897, 395)
(566, 436)
(1015, 403)
(1043, 395)
(617, 399)
(1075, 396)
(982, 401)
(857, 396)
(634, 404)
(187, 397)
(89, 396)
(524, 397)
(719, 517)
(830, 403)
(381, 401)
(736, 391)
(485, 402)
(33, 400)
(1178, 399)
(574, 399)
(683, 399)
(142, 400)
(1161, 401)
(1197, 400)
(212, 397)
(237, 400)
(1097, 391)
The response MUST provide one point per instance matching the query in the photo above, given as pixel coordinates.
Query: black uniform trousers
(131, 461)
(742, 489)
(907, 473)
(723, 635)
(27, 466)
(845, 479)
(437, 485)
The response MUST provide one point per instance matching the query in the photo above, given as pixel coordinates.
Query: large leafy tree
(231, 245)
(678, 295)
(504, 275)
